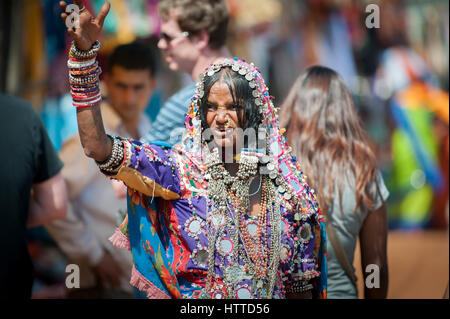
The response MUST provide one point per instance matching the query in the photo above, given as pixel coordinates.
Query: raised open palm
(89, 28)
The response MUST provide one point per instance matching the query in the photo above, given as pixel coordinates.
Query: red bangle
(87, 99)
(84, 71)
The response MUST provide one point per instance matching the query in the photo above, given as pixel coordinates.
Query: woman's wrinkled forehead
(226, 77)
(222, 89)
(247, 72)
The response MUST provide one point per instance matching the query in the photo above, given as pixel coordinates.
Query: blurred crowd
(397, 73)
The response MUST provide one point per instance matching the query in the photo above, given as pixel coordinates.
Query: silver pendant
(259, 284)
(265, 159)
(234, 273)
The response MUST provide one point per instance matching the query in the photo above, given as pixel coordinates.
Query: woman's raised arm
(84, 89)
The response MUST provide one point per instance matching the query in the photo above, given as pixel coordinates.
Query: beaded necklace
(227, 197)
(261, 261)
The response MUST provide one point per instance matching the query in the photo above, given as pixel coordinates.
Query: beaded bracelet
(73, 64)
(299, 286)
(76, 91)
(83, 95)
(87, 90)
(87, 104)
(83, 80)
(115, 159)
(86, 93)
(89, 72)
(78, 54)
(83, 98)
(81, 71)
(86, 99)
(84, 73)
(86, 87)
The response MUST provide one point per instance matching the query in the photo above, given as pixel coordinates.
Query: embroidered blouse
(167, 224)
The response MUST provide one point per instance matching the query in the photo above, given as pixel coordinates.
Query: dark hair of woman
(244, 102)
(324, 130)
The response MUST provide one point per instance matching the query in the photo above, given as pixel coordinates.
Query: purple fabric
(184, 212)
(154, 162)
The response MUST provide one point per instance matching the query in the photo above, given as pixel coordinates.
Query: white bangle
(98, 99)
(76, 65)
(77, 53)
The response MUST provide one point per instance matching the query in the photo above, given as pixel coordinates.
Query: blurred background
(398, 74)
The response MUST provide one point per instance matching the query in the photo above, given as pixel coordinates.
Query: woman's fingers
(87, 28)
(71, 33)
(64, 14)
(63, 6)
(64, 17)
(103, 13)
(79, 3)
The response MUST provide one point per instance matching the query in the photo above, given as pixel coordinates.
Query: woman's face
(222, 115)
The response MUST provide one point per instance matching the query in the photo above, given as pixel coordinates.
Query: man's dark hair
(197, 15)
(133, 56)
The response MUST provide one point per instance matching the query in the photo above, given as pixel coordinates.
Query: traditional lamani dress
(187, 225)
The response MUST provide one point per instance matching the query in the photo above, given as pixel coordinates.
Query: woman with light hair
(326, 135)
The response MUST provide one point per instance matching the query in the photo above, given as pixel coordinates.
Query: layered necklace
(247, 253)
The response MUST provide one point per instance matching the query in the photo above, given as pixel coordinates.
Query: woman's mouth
(223, 132)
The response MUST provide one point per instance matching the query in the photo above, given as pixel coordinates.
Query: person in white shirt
(96, 203)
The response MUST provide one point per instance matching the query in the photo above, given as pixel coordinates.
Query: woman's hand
(89, 28)
(94, 140)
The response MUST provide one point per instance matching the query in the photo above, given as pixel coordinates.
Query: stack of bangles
(84, 75)
(112, 164)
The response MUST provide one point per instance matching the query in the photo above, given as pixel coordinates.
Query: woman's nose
(221, 116)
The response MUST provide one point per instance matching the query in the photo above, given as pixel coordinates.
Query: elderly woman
(208, 218)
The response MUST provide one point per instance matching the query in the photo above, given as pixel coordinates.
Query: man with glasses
(193, 35)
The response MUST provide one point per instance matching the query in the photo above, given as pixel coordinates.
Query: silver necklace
(219, 183)
(259, 187)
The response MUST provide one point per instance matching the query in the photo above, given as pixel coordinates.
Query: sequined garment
(171, 213)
